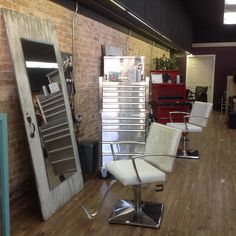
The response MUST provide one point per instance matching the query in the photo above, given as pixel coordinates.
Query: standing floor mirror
(46, 109)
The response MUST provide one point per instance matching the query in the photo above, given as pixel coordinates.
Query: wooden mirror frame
(20, 26)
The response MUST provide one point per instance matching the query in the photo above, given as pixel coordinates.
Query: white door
(201, 72)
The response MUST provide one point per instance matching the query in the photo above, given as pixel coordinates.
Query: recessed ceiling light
(118, 5)
(230, 2)
(230, 18)
(140, 20)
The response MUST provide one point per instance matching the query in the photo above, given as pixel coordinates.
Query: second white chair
(192, 122)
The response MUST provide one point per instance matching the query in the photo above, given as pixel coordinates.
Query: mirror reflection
(50, 111)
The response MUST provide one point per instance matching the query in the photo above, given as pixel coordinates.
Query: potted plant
(165, 63)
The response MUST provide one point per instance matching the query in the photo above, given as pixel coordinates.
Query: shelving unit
(55, 133)
(123, 108)
(52, 106)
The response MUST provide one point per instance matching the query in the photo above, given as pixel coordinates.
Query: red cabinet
(162, 111)
(166, 93)
(167, 97)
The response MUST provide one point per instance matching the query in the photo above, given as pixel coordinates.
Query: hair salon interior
(117, 117)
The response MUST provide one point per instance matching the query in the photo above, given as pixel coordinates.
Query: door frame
(213, 71)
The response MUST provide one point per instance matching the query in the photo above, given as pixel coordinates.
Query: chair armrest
(151, 154)
(138, 156)
(198, 116)
(202, 117)
(187, 115)
(177, 112)
(136, 171)
(146, 155)
(185, 120)
(191, 116)
(127, 142)
(122, 142)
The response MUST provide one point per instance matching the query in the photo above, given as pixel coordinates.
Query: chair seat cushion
(191, 127)
(123, 171)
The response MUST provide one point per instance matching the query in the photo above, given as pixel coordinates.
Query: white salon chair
(159, 156)
(193, 122)
(151, 167)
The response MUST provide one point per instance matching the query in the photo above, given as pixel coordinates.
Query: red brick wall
(88, 37)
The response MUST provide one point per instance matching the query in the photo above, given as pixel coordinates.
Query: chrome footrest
(190, 154)
(149, 214)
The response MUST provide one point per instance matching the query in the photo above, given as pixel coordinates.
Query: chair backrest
(232, 103)
(201, 93)
(200, 113)
(162, 139)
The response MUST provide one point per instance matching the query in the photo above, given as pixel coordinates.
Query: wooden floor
(199, 196)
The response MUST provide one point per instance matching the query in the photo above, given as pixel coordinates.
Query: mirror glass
(50, 111)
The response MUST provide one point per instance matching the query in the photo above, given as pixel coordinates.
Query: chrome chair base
(149, 214)
(189, 154)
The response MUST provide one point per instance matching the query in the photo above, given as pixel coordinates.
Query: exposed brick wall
(20, 167)
(88, 37)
